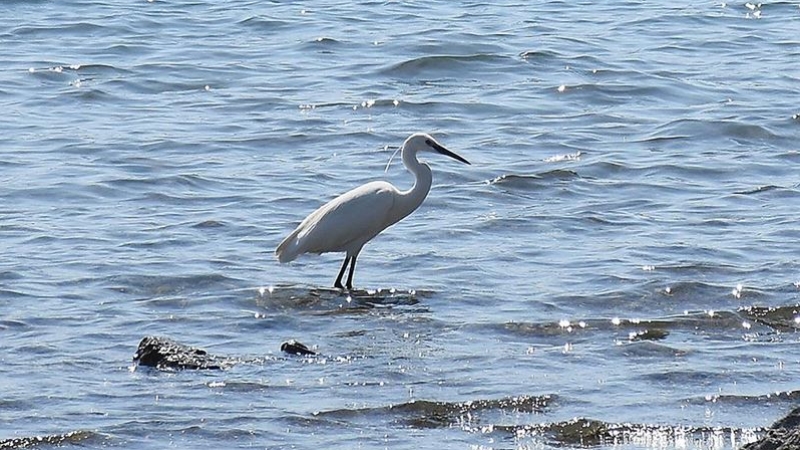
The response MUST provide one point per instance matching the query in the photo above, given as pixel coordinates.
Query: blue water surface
(622, 254)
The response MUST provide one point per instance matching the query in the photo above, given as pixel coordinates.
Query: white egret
(352, 219)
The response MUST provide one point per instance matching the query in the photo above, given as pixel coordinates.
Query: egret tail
(289, 248)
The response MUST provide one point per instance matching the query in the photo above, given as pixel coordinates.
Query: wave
(78, 28)
(655, 329)
(772, 190)
(455, 65)
(528, 181)
(261, 23)
(159, 286)
(715, 129)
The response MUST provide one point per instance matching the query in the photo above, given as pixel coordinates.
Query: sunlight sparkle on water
(567, 157)
(756, 10)
(262, 290)
(564, 323)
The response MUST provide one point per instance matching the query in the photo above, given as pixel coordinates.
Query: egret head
(421, 142)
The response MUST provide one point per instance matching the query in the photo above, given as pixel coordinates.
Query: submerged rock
(166, 354)
(782, 435)
(582, 432)
(650, 334)
(77, 438)
(781, 318)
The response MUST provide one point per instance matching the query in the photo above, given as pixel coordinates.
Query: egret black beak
(435, 145)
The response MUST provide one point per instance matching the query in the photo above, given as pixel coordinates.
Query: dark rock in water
(782, 435)
(582, 432)
(650, 334)
(166, 354)
(77, 438)
(296, 348)
(791, 421)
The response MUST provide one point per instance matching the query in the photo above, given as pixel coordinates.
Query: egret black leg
(338, 283)
(350, 275)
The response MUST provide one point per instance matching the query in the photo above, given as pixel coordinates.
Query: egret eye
(434, 145)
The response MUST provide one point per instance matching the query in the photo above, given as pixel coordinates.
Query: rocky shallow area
(166, 354)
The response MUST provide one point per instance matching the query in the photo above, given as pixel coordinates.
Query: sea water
(618, 267)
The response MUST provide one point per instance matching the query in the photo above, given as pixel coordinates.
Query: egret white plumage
(352, 219)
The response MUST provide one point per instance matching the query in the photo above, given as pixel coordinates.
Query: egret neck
(409, 200)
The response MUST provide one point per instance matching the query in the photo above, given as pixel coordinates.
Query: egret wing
(344, 224)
